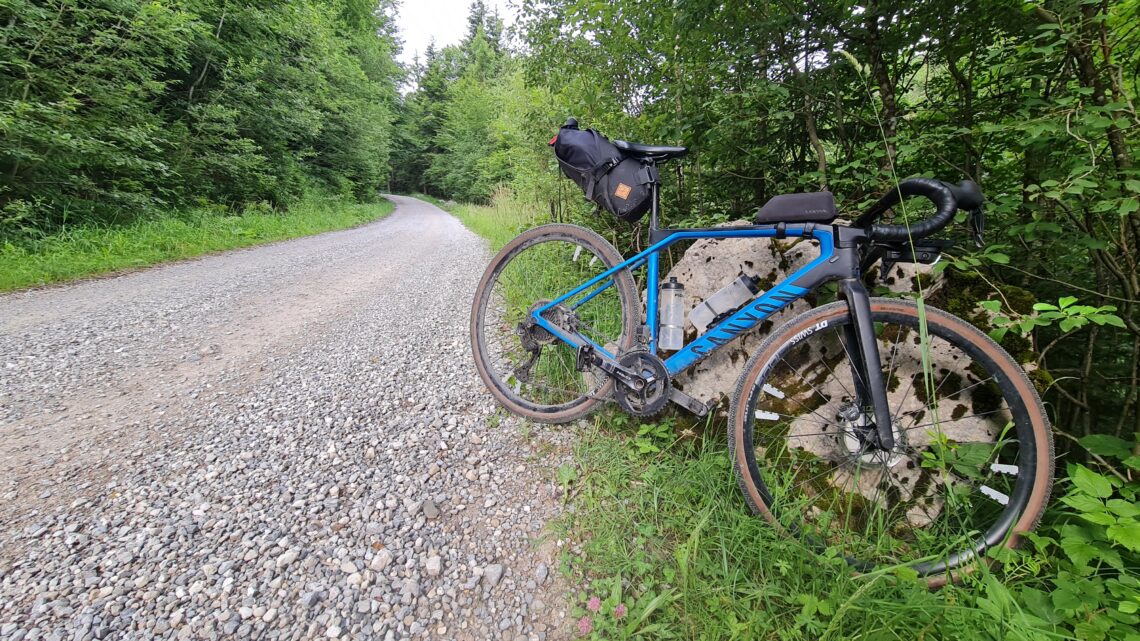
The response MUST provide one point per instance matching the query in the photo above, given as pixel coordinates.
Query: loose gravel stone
(288, 557)
(382, 560)
(286, 442)
(432, 566)
(493, 574)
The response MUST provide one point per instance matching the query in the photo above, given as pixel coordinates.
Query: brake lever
(977, 223)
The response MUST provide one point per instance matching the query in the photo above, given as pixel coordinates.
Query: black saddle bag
(622, 186)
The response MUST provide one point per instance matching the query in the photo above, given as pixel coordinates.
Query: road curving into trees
(288, 440)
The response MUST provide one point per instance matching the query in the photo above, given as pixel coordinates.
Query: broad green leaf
(1126, 533)
(1065, 600)
(1106, 445)
(1110, 319)
(1123, 508)
(1083, 502)
(1100, 518)
(1090, 482)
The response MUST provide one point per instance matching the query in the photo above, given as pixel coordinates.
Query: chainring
(652, 398)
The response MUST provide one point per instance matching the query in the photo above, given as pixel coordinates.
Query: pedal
(689, 403)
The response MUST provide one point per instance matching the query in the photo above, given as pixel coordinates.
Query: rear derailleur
(533, 336)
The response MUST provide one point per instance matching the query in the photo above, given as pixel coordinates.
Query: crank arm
(688, 402)
(588, 356)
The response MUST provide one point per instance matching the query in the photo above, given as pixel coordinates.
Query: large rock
(710, 264)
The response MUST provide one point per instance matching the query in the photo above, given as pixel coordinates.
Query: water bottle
(672, 306)
(728, 299)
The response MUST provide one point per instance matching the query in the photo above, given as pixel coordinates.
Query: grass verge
(663, 531)
(90, 250)
(498, 222)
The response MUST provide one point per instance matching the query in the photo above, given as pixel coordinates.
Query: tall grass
(500, 221)
(673, 525)
(89, 250)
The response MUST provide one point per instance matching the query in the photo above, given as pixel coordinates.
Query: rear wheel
(529, 371)
(973, 460)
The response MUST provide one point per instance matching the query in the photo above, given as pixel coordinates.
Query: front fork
(866, 366)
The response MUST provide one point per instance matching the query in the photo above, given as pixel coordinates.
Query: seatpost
(653, 211)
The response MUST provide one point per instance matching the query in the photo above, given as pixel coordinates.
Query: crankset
(650, 390)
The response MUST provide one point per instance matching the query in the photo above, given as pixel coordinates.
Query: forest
(115, 110)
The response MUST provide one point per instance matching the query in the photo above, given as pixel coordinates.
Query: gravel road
(284, 442)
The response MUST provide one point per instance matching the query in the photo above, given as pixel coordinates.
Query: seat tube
(651, 272)
(859, 304)
(651, 284)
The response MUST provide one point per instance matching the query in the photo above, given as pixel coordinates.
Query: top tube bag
(622, 186)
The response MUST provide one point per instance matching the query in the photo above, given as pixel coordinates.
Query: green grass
(498, 222)
(89, 250)
(670, 531)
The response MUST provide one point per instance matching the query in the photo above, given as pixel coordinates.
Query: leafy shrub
(1089, 546)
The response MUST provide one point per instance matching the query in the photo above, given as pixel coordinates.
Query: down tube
(754, 312)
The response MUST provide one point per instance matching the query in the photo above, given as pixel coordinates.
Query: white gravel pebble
(432, 566)
(284, 442)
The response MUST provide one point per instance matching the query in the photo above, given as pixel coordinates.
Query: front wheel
(530, 371)
(972, 464)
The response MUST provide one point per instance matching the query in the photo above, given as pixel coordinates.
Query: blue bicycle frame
(790, 289)
(842, 258)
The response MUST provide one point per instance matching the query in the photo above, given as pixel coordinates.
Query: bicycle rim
(964, 472)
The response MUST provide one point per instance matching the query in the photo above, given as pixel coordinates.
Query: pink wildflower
(619, 611)
(585, 625)
(594, 604)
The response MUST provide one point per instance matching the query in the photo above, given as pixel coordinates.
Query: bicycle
(890, 433)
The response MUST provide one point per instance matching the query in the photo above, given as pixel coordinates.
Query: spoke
(894, 354)
(801, 417)
(791, 436)
(800, 403)
(836, 376)
(953, 420)
(835, 465)
(906, 395)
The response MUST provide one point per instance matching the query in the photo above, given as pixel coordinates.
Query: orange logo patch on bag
(622, 191)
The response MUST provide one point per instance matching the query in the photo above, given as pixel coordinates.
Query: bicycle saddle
(655, 153)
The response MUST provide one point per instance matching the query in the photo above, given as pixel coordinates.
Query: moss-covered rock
(962, 295)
